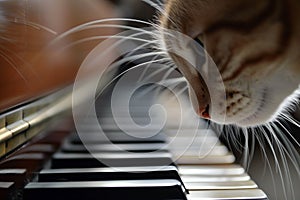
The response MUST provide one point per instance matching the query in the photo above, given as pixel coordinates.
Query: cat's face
(248, 41)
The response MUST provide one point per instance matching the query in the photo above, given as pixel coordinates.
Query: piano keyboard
(127, 168)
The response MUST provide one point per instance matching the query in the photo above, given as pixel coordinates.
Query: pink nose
(204, 112)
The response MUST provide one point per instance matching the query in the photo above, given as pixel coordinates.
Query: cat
(254, 44)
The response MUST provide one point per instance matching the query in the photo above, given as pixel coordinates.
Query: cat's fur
(255, 45)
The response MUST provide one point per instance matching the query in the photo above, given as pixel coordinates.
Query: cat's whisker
(147, 90)
(160, 9)
(180, 92)
(167, 74)
(173, 81)
(266, 160)
(12, 63)
(290, 119)
(283, 152)
(160, 37)
(164, 82)
(289, 147)
(83, 26)
(153, 86)
(246, 147)
(146, 69)
(229, 136)
(167, 63)
(165, 67)
(122, 38)
(290, 136)
(7, 52)
(33, 25)
(276, 160)
(157, 6)
(155, 57)
(107, 37)
(247, 156)
(236, 140)
(136, 57)
(121, 74)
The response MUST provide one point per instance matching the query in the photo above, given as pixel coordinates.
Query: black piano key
(84, 160)
(29, 161)
(101, 174)
(131, 190)
(6, 190)
(18, 176)
(135, 147)
(117, 138)
(105, 173)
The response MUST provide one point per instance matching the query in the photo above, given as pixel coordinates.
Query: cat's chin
(254, 120)
(255, 114)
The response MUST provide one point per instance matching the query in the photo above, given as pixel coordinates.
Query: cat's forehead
(204, 15)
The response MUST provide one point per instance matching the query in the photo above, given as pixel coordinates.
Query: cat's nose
(200, 100)
(204, 112)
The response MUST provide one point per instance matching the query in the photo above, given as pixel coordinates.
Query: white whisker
(83, 26)
(136, 57)
(166, 67)
(122, 73)
(290, 119)
(33, 25)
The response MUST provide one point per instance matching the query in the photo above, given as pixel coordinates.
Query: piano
(50, 151)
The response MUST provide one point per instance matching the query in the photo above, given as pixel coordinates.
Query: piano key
(18, 176)
(29, 161)
(116, 128)
(214, 170)
(124, 120)
(248, 194)
(209, 159)
(129, 189)
(135, 147)
(100, 174)
(230, 185)
(190, 133)
(116, 137)
(110, 124)
(6, 190)
(84, 160)
(217, 150)
(215, 178)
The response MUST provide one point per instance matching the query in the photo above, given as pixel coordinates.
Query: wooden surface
(31, 63)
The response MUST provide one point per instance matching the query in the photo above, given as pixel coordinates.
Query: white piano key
(214, 178)
(193, 170)
(231, 185)
(209, 159)
(249, 194)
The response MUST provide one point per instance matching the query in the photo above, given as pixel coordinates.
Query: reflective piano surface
(142, 163)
